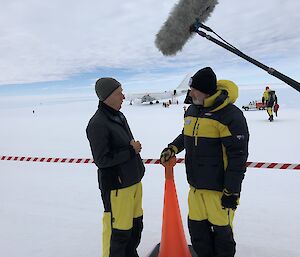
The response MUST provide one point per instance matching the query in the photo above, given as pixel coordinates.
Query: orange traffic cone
(173, 242)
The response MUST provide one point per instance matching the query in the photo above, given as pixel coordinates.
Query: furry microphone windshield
(176, 30)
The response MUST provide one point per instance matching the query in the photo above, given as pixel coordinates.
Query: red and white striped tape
(45, 159)
(274, 165)
(264, 165)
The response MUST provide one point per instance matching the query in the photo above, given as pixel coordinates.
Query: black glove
(229, 200)
(167, 154)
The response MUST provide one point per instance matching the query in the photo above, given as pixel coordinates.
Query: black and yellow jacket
(265, 96)
(109, 136)
(215, 137)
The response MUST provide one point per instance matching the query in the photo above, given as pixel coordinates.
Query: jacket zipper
(196, 133)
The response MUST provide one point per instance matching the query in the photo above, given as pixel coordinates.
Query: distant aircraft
(155, 97)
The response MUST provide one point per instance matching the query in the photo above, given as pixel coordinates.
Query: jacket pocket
(131, 172)
(108, 178)
(208, 173)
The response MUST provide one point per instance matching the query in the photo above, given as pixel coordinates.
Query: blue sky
(62, 45)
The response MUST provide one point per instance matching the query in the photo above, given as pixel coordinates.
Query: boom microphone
(175, 31)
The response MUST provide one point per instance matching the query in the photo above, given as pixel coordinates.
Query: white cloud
(44, 41)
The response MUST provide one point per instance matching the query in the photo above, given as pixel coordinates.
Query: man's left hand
(136, 146)
(229, 200)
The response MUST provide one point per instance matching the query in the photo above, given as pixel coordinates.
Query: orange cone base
(173, 242)
(155, 251)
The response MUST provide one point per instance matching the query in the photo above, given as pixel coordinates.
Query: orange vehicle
(260, 106)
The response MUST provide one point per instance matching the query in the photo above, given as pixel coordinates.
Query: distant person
(120, 170)
(215, 138)
(269, 99)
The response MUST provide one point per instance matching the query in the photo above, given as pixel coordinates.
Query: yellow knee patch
(106, 233)
(270, 111)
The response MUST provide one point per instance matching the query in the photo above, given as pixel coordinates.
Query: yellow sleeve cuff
(175, 149)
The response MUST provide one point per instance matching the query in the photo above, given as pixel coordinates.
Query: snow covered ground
(49, 210)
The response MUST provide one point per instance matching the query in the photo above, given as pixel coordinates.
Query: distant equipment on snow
(254, 105)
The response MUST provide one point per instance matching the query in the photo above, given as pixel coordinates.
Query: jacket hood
(227, 93)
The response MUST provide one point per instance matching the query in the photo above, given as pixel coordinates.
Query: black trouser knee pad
(201, 237)
(135, 239)
(118, 242)
(223, 241)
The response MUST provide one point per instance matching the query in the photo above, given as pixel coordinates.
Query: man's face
(115, 100)
(197, 96)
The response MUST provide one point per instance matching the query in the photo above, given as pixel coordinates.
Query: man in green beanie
(120, 171)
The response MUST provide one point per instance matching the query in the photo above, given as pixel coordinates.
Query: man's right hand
(167, 154)
(136, 146)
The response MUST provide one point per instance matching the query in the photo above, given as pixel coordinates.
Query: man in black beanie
(120, 170)
(215, 137)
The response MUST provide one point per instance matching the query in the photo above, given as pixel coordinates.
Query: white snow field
(55, 210)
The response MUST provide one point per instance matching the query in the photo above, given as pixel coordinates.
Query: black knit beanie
(204, 80)
(105, 86)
